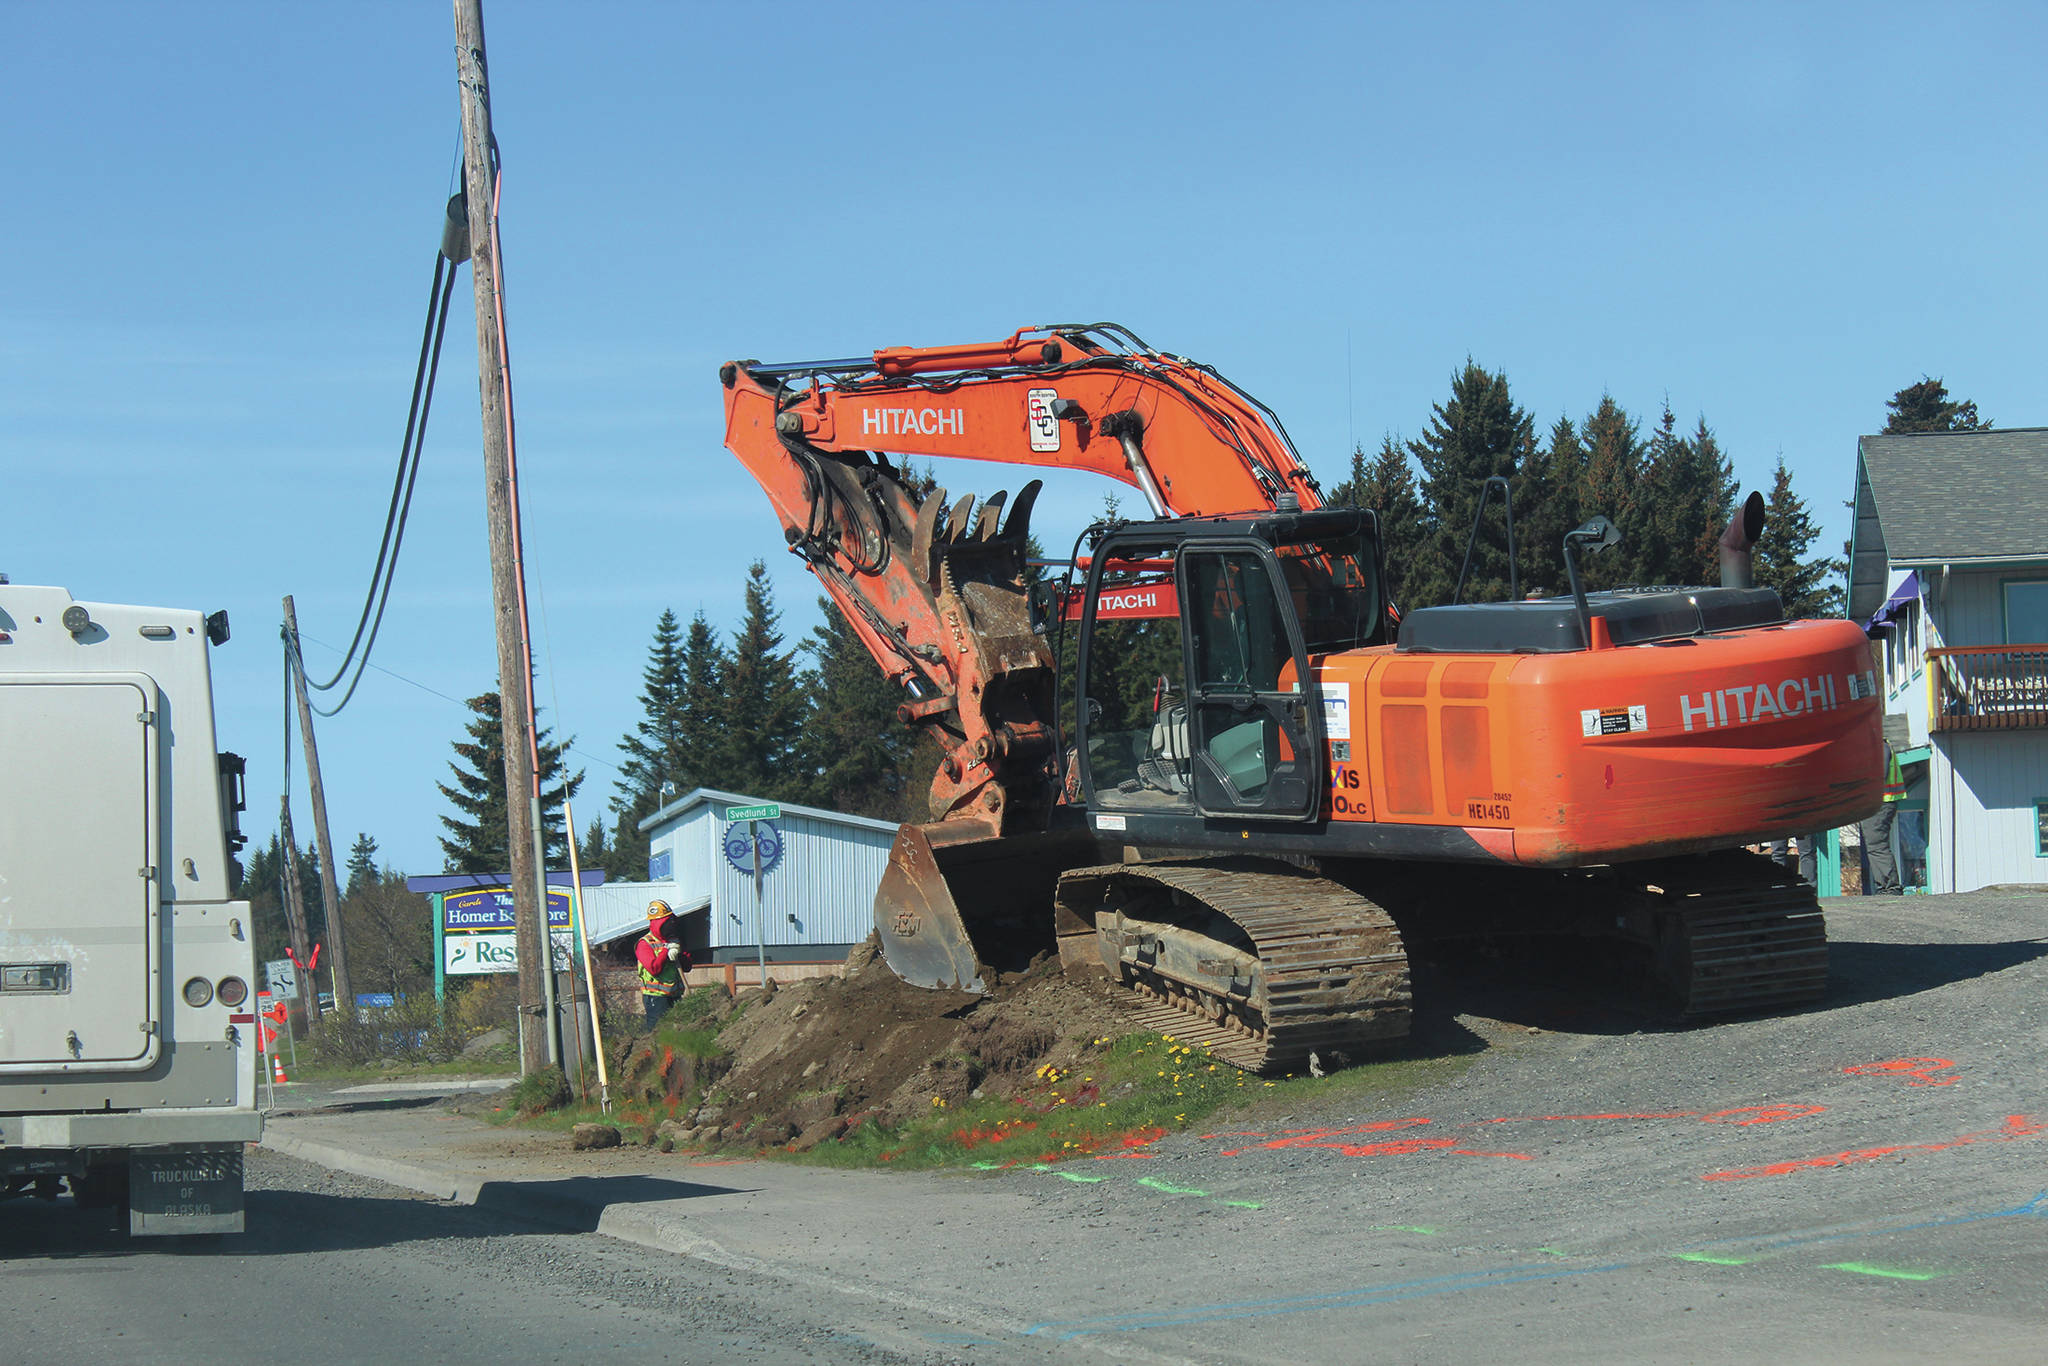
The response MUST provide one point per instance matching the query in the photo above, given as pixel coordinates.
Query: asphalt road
(336, 1268)
(1865, 1180)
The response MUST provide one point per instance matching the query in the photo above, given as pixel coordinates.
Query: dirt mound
(811, 1059)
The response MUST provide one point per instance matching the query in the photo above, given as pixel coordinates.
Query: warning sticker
(1613, 720)
(1336, 711)
(1105, 821)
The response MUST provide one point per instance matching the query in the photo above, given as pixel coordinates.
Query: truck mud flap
(191, 1190)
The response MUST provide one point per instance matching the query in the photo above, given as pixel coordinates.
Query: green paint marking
(1554, 1251)
(1084, 1180)
(988, 1166)
(1156, 1184)
(1403, 1228)
(1244, 1204)
(1041, 1166)
(1888, 1272)
(1710, 1259)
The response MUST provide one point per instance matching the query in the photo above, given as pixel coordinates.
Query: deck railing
(1989, 687)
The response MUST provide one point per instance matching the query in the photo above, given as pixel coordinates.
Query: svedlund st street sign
(771, 811)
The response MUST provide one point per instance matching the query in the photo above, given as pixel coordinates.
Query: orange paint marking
(2015, 1127)
(723, 1162)
(1915, 1070)
(1761, 1114)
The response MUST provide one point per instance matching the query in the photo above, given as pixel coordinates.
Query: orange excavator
(1258, 776)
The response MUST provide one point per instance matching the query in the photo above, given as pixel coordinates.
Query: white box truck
(127, 1025)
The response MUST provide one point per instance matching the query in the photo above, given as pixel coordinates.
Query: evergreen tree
(853, 745)
(706, 666)
(1926, 407)
(1614, 469)
(1386, 484)
(763, 713)
(1478, 433)
(362, 865)
(1686, 497)
(1547, 506)
(596, 851)
(478, 831)
(655, 749)
(1781, 560)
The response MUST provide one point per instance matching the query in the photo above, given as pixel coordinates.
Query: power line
(445, 697)
(371, 619)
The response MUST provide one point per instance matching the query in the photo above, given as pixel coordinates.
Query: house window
(2026, 612)
(2041, 827)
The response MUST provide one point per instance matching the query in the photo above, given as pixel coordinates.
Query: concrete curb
(441, 1185)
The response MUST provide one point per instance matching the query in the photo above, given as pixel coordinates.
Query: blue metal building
(819, 871)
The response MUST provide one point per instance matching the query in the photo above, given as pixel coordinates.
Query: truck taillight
(198, 991)
(232, 991)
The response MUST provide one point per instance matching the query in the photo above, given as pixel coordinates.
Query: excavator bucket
(961, 902)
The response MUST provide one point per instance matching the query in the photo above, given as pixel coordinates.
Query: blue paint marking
(1359, 1297)
(2035, 1208)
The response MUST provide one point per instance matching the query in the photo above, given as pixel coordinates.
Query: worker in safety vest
(663, 962)
(1877, 832)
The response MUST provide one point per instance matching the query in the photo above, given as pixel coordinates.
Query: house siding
(1984, 834)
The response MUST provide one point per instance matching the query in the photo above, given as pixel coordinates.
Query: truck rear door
(80, 943)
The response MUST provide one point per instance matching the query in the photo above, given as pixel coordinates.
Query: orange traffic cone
(277, 1069)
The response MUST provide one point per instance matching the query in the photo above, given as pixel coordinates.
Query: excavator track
(1730, 933)
(1303, 966)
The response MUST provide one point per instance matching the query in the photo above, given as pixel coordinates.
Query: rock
(689, 1135)
(486, 1041)
(824, 1131)
(667, 1144)
(711, 1115)
(802, 1009)
(712, 1135)
(811, 1109)
(811, 1069)
(671, 1128)
(587, 1136)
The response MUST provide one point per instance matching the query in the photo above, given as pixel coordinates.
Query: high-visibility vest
(1894, 777)
(669, 980)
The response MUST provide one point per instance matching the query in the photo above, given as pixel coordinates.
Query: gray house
(1948, 566)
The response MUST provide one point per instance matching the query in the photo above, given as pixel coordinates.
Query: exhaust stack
(1738, 544)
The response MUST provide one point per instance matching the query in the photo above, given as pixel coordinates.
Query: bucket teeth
(986, 525)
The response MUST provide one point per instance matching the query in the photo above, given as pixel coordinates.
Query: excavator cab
(1196, 642)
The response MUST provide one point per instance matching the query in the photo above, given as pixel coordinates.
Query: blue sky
(219, 224)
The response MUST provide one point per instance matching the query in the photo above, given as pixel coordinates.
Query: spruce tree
(1781, 560)
(1547, 506)
(1386, 484)
(1477, 433)
(1926, 407)
(1610, 485)
(654, 749)
(362, 864)
(705, 668)
(856, 750)
(1685, 498)
(763, 712)
(476, 841)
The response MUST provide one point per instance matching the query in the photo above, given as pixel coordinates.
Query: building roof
(699, 796)
(491, 882)
(1931, 498)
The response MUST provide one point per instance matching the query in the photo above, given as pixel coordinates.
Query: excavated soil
(806, 1061)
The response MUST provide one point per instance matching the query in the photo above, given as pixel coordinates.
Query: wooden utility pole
(537, 1039)
(295, 914)
(330, 893)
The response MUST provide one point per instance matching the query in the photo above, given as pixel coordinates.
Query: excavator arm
(937, 592)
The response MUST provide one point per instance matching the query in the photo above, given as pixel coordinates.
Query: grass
(311, 1067)
(528, 1103)
(1121, 1096)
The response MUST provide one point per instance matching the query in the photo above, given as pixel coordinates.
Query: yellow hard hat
(657, 909)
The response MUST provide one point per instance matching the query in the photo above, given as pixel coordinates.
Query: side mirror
(1596, 533)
